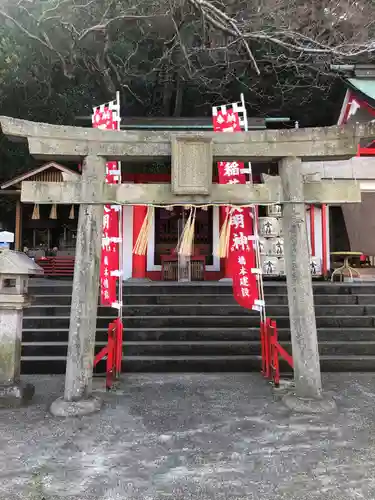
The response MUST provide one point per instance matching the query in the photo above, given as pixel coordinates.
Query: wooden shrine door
(168, 227)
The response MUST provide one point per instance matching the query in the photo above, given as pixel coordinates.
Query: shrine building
(352, 226)
(43, 226)
(48, 233)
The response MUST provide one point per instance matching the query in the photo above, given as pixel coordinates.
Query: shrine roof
(38, 170)
(365, 86)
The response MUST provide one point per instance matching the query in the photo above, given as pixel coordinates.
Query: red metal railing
(112, 352)
(271, 351)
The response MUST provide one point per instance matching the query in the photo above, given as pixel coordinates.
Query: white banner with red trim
(107, 117)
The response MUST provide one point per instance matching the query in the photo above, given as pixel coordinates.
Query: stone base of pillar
(63, 408)
(16, 395)
(226, 280)
(312, 406)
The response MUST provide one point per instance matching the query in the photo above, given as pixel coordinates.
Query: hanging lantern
(53, 212)
(36, 214)
(71, 213)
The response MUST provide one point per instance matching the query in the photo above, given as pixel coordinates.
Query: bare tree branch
(223, 20)
(53, 9)
(45, 43)
(287, 39)
(105, 25)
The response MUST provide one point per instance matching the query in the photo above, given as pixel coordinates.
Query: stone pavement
(192, 437)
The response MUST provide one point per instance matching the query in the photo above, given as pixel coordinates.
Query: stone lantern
(15, 270)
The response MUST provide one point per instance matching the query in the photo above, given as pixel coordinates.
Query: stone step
(199, 327)
(324, 288)
(344, 348)
(42, 365)
(242, 321)
(201, 299)
(230, 334)
(164, 288)
(179, 348)
(227, 299)
(198, 310)
(201, 348)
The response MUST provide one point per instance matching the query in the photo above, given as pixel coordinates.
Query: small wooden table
(346, 266)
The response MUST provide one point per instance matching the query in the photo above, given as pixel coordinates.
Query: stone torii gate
(192, 156)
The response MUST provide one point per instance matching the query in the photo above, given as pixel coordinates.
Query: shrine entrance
(168, 227)
(192, 158)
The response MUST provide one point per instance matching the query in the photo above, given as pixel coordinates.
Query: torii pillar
(192, 159)
(307, 377)
(78, 397)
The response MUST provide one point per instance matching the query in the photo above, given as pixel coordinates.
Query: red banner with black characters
(241, 252)
(107, 119)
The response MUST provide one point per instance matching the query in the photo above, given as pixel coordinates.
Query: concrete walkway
(192, 437)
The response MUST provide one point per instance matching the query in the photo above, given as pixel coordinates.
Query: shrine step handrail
(272, 351)
(112, 353)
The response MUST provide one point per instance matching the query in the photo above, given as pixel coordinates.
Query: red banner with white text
(107, 119)
(241, 252)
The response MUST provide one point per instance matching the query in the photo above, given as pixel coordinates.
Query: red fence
(112, 352)
(271, 351)
(56, 266)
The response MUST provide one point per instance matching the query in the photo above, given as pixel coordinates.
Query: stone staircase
(199, 327)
